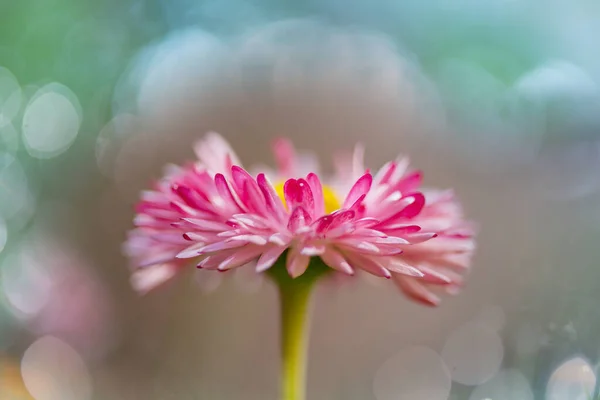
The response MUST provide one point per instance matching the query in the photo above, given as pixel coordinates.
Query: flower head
(221, 216)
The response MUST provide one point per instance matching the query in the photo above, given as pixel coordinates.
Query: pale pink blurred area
(526, 311)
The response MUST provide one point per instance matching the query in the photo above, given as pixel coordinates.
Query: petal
(358, 165)
(298, 219)
(191, 251)
(401, 229)
(195, 237)
(285, 156)
(194, 199)
(223, 245)
(225, 192)
(213, 261)
(437, 277)
(409, 183)
(279, 239)
(297, 193)
(312, 250)
(215, 153)
(252, 198)
(360, 188)
(317, 190)
(145, 279)
(416, 202)
(336, 261)
(208, 225)
(269, 257)
(368, 264)
(385, 173)
(296, 263)
(414, 289)
(421, 237)
(240, 257)
(273, 202)
(254, 239)
(399, 266)
(250, 221)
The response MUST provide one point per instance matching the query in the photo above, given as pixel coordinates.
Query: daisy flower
(216, 214)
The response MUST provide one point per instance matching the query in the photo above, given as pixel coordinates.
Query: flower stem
(294, 341)
(294, 297)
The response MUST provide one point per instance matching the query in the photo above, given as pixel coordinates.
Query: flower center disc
(330, 198)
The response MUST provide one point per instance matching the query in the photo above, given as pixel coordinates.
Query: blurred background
(499, 99)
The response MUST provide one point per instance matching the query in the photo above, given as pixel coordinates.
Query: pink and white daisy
(222, 217)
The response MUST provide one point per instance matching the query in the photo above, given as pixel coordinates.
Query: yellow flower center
(330, 198)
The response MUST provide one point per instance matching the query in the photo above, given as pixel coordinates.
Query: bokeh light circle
(473, 353)
(53, 370)
(3, 234)
(51, 121)
(416, 372)
(14, 190)
(508, 384)
(574, 380)
(10, 97)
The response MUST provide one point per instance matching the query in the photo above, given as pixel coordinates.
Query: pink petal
(385, 173)
(250, 221)
(207, 225)
(240, 257)
(273, 202)
(279, 239)
(298, 219)
(417, 202)
(225, 191)
(368, 264)
(341, 217)
(191, 251)
(145, 279)
(399, 266)
(224, 245)
(409, 183)
(317, 190)
(435, 277)
(193, 199)
(420, 237)
(252, 198)
(312, 250)
(285, 156)
(240, 176)
(401, 229)
(414, 289)
(336, 261)
(358, 166)
(254, 239)
(212, 262)
(296, 263)
(214, 152)
(195, 237)
(170, 238)
(368, 247)
(269, 257)
(361, 187)
(297, 193)
(323, 223)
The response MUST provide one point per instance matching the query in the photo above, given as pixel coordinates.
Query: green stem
(294, 296)
(294, 341)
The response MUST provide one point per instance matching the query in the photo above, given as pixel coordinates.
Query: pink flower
(221, 216)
